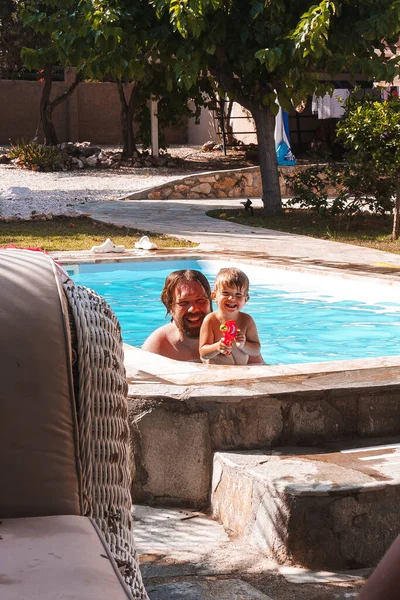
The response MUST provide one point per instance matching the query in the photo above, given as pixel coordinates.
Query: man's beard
(187, 329)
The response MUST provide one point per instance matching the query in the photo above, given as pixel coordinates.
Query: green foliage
(334, 189)
(280, 47)
(119, 41)
(312, 31)
(14, 35)
(38, 157)
(370, 132)
(262, 53)
(309, 188)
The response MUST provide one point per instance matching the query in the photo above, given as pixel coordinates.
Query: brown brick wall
(19, 110)
(91, 113)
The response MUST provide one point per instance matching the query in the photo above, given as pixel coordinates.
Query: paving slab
(173, 542)
(184, 554)
(225, 589)
(299, 575)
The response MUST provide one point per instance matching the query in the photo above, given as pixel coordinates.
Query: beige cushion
(45, 558)
(38, 459)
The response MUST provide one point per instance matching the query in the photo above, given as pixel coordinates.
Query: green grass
(76, 234)
(370, 230)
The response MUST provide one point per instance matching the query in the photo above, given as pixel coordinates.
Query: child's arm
(249, 343)
(209, 348)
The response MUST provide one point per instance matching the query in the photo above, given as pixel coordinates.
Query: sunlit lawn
(76, 234)
(373, 231)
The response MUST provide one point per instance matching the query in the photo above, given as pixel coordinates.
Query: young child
(231, 292)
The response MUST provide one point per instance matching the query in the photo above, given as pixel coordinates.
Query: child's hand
(240, 339)
(224, 348)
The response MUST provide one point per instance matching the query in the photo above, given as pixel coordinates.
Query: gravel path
(57, 193)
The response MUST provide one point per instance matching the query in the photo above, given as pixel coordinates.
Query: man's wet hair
(176, 278)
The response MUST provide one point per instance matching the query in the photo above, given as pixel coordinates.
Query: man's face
(189, 308)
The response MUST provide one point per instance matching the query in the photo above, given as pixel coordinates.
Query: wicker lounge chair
(64, 437)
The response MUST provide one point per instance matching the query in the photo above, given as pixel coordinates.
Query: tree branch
(121, 92)
(68, 92)
(231, 82)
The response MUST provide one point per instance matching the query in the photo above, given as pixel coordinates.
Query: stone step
(331, 508)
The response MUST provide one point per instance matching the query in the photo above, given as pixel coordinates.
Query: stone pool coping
(270, 377)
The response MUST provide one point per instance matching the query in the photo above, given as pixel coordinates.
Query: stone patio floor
(185, 555)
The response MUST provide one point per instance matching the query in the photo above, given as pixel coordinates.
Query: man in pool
(187, 297)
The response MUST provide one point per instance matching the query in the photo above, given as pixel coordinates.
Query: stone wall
(236, 183)
(174, 438)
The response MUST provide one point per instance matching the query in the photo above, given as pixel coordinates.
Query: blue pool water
(300, 318)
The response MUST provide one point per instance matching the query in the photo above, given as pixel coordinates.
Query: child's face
(230, 299)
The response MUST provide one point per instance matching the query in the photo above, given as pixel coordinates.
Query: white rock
(58, 192)
(16, 193)
(91, 161)
(208, 146)
(77, 162)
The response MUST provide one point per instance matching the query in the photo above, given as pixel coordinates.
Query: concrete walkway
(187, 219)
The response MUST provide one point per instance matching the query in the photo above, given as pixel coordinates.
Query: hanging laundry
(284, 154)
(330, 107)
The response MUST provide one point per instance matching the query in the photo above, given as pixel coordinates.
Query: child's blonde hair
(232, 278)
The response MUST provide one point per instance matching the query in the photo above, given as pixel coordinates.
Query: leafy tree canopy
(120, 41)
(276, 49)
(13, 36)
(370, 131)
(264, 51)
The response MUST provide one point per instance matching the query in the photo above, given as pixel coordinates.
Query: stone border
(234, 183)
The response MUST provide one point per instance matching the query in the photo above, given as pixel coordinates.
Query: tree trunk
(271, 192)
(396, 212)
(228, 126)
(126, 120)
(49, 132)
(47, 107)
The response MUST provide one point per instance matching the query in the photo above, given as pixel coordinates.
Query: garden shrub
(35, 156)
(310, 187)
(370, 177)
(370, 132)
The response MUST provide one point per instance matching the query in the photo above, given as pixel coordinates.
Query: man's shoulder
(158, 339)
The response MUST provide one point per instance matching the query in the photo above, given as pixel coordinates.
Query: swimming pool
(300, 317)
